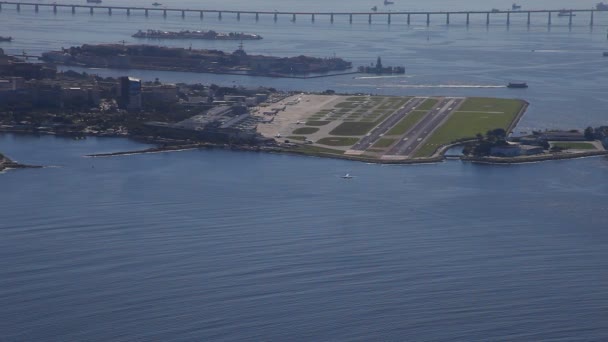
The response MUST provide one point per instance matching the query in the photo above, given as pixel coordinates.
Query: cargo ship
(207, 35)
(517, 85)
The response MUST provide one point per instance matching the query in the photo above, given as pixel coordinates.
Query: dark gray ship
(206, 35)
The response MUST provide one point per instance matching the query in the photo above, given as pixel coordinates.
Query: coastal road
(423, 129)
(377, 132)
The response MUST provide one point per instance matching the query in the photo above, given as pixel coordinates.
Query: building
(159, 94)
(129, 96)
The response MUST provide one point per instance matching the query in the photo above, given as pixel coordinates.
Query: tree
(589, 133)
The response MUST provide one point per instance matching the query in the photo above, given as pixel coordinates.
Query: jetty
(490, 16)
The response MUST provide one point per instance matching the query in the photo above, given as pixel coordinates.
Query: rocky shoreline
(6, 163)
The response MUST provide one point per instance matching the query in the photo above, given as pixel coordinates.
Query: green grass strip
(574, 145)
(406, 123)
(305, 130)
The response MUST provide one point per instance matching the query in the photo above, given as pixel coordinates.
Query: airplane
(347, 176)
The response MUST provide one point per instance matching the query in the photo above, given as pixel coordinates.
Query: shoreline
(8, 164)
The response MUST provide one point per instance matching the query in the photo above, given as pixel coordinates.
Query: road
(376, 133)
(420, 132)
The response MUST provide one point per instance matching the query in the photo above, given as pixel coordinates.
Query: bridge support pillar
(591, 19)
(369, 20)
(428, 19)
(408, 18)
(549, 22)
(54, 9)
(18, 7)
(389, 18)
(165, 13)
(238, 15)
(508, 19)
(468, 18)
(331, 18)
(36, 8)
(447, 19)
(146, 13)
(109, 10)
(0, 7)
(350, 18)
(312, 18)
(276, 17)
(257, 16)
(73, 10)
(128, 12)
(293, 18)
(219, 15)
(529, 18)
(91, 10)
(183, 14)
(570, 19)
(487, 18)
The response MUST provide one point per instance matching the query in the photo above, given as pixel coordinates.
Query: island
(187, 34)
(151, 57)
(6, 163)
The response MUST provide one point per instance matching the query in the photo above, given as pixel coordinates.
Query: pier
(501, 16)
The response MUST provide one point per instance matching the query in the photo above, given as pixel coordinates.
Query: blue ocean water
(232, 246)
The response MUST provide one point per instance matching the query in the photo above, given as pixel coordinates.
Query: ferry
(517, 85)
(565, 13)
(156, 4)
(375, 8)
(387, 2)
(515, 6)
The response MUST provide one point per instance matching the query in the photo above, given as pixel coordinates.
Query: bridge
(387, 17)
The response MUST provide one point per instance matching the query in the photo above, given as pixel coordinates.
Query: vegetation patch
(316, 150)
(574, 145)
(317, 123)
(296, 137)
(466, 125)
(384, 142)
(305, 130)
(483, 104)
(342, 141)
(407, 122)
(428, 104)
(347, 105)
(353, 128)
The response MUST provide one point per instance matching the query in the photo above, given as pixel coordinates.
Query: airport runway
(376, 133)
(418, 134)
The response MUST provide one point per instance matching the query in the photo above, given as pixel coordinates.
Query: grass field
(309, 149)
(476, 115)
(384, 142)
(574, 145)
(427, 104)
(338, 141)
(353, 128)
(296, 137)
(317, 123)
(406, 123)
(305, 130)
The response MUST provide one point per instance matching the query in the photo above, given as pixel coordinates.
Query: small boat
(605, 54)
(5, 39)
(495, 10)
(156, 4)
(388, 2)
(375, 8)
(347, 176)
(515, 6)
(517, 85)
(565, 13)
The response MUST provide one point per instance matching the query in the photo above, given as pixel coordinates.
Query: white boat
(347, 176)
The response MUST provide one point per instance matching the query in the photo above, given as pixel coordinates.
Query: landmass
(6, 163)
(190, 60)
(36, 99)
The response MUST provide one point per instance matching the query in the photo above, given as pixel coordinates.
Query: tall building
(130, 92)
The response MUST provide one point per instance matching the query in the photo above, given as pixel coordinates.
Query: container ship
(207, 35)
